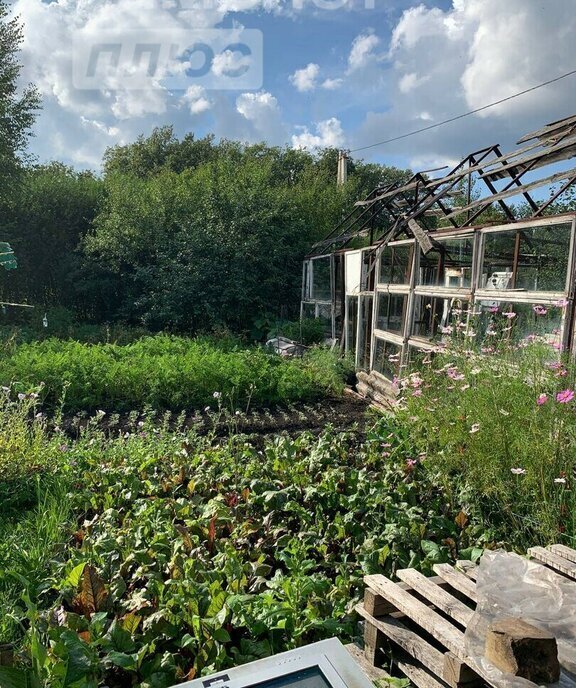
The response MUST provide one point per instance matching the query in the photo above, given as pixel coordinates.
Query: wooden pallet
(422, 620)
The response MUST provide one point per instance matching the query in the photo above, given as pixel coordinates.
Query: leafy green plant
(166, 372)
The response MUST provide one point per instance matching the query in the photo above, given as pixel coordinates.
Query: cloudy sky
(306, 73)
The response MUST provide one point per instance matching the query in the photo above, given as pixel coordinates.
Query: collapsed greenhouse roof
(418, 261)
(405, 208)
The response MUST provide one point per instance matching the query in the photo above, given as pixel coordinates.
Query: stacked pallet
(421, 621)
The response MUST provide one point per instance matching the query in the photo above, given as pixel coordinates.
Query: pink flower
(417, 393)
(540, 310)
(410, 463)
(565, 396)
(561, 303)
(510, 315)
(453, 374)
(493, 309)
(542, 399)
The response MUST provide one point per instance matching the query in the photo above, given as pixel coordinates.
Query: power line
(466, 114)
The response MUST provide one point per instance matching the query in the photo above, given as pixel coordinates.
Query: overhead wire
(465, 114)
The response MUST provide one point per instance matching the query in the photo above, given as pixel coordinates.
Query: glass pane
(352, 323)
(321, 289)
(386, 358)
(325, 315)
(365, 331)
(391, 311)
(538, 262)
(500, 320)
(396, 264)
(449, 265)
(308, 311)
(436, 316)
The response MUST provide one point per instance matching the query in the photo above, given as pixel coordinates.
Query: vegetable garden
(150, 554)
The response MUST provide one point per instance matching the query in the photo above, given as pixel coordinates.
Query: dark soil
(345, 414)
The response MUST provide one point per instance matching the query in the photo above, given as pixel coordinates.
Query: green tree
(52, 211)
(17, 109)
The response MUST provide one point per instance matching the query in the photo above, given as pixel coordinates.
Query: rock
(516, 647)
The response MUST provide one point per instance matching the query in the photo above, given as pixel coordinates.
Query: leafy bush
(165, 373)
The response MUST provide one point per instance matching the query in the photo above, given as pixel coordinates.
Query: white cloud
(305, 79)
(262, 112)
(332, 84)
(329, 135)
(410, 81)
(196, 100)
(362, 52)
(441, 63)
(229, 62)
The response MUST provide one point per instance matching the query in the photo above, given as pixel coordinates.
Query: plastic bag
(510, 586)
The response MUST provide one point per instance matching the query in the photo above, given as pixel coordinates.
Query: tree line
(181, 234)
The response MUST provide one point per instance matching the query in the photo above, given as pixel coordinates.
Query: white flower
(518, 471)
(475, 428)
(560, 481)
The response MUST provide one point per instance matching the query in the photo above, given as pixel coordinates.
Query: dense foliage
(188, 235)
(164, 372)
(17, 107)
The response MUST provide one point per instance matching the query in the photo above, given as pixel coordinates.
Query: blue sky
(348, 76)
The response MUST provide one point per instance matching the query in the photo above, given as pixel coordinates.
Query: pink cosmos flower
(453, 374)
(493, 309)
(510, 315)
(417, 393)
(561, 303)
(542, 399)
(565, 396)
(540, 310)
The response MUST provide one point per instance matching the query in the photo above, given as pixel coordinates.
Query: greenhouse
(417, 263)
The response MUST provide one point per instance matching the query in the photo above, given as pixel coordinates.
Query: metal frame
(407, 213)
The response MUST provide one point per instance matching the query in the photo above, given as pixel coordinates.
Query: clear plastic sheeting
(510, 586)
